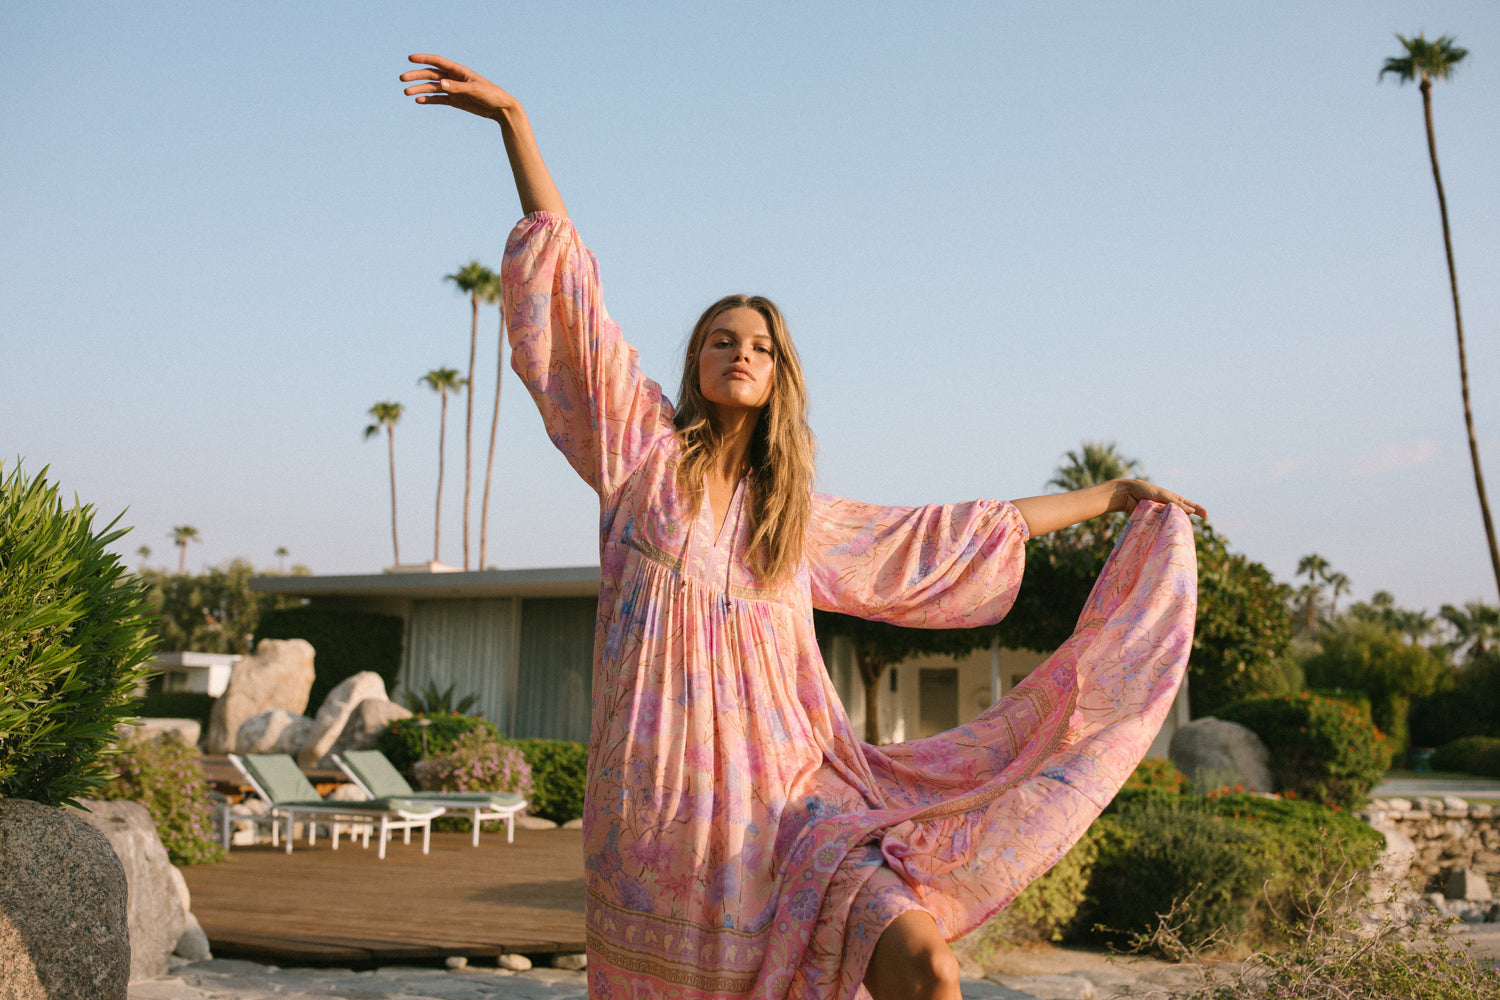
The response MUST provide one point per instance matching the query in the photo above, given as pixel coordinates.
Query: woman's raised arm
(1048, 513)
(443, 81)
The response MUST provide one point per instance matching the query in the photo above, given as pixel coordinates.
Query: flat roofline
(552, 581)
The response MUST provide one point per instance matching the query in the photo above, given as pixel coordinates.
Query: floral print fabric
(740, 839)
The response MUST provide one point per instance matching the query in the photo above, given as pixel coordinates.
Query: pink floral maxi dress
(740, 840)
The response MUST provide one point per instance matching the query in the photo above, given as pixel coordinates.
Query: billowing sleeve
(941, 566)
(600, 411)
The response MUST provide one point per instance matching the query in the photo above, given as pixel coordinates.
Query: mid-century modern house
(522, 642)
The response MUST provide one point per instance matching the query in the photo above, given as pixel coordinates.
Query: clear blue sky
(1200, 230)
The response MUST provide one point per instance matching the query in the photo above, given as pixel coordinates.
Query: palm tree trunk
(390, 437)
(437, 517)
(1458, 324)
(489, 467)
(469, 418)
(182, 557)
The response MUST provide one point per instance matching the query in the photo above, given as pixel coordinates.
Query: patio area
(318, 906)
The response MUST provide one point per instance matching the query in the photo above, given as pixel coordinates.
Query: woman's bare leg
(911, 961)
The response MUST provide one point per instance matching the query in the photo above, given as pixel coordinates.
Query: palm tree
(387, 415)
(1094, 463)
(281, 554)
(1316, 568)
(181, 535)
(470, 279)
(145, 553)
(1424, 62)
(1476, 627)
(493, 294)
(1339, 584)
(441, 381)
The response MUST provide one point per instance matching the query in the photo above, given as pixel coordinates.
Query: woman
(740, 840)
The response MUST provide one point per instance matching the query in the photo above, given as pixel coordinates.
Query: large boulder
(278, 675)
(335, 712)
(369, 719)
(1212, 751)
(63, 907)
(273, 731)
(156, 915)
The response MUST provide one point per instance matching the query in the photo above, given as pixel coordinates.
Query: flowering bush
(406, 741)
(164, 776)
(1322, 750)
(477, 762)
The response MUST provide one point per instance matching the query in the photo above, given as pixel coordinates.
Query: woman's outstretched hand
(1129, 492)
(443, 81)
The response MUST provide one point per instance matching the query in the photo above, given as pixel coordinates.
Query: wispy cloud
(1389, 457)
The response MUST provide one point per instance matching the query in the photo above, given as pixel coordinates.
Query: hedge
(344, 642)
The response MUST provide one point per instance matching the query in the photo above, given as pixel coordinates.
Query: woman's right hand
(444, 81)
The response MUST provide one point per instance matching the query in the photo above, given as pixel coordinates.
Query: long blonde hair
(781, 452)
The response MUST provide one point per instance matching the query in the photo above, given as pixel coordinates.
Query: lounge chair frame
(480, 807)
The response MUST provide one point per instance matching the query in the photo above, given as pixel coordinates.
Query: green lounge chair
(372, 771)
(277, 779)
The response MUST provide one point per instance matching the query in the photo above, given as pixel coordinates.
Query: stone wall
(1452, 849)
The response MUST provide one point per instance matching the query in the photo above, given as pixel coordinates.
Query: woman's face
(737, 361)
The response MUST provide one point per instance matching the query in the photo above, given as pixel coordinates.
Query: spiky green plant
(74, 637)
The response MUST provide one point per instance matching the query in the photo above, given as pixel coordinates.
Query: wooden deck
(317, 906)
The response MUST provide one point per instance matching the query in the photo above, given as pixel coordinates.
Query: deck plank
(318, 906)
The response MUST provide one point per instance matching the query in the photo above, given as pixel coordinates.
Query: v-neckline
(729, 512)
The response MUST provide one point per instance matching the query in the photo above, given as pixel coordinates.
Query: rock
(187, 730)
(369, 719)
(184, 896)
(1394, 863)
(456, 962)
(335, 711)
(1466, 884)
(574, 824)
(1429, 805)
(1398, 805)
(1222, 753)
(273, 731)
(570, 961)
(534, 823)
(347, 792)
(155, 911)
(64, 930)
(1481, 810)
(515, 963)
(278, 675)
(193, 945)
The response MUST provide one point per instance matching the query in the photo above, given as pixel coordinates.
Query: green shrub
(1469, 755)
(558, 772)
(345, 642)
(73, 638)
(407, 741)
(1322, 750)
(163, 775)
(1154, 856)
(1154, 779)
(478, 762)
(176, 705)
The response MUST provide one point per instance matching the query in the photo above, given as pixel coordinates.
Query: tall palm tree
(1338, 583)
(1476, 627)
(145, 553)
(470, 279)
(493, 294)
(1094, 463)
(441, 381)
(1315, 568)
(387, 415)
(1424, 62)
(181, 535)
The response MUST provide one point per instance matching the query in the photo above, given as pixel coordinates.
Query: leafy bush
(1154, 779)
(1470, 755)
(1155, 855)
(477, 762)
(73, 638)
(407, 741)
(1322, 750)
(163, 775)
(210, 612)
(558, 772)
(346, 643)
(176, 705)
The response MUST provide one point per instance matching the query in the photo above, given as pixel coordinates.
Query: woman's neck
(735, 430)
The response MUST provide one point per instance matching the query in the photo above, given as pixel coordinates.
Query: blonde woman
(740, 840)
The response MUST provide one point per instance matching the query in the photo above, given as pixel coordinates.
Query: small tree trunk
(489, 467)
(1458, 324)
(437, 517)
(390, 437)
(469, 418)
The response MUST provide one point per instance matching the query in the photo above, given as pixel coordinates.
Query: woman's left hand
(1129, 492)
